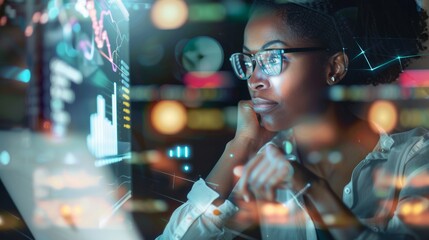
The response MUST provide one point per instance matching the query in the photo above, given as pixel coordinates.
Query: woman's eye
(286, 58)
(274, 59)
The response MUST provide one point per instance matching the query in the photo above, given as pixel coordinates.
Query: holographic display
(85, 78)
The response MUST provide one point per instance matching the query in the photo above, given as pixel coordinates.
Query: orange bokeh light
(275, 213)
(168, 117)
(169, 14)
(66, 211)
(383, 114)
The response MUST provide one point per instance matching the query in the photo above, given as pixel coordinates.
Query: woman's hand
(270, 170)
(249, 138)
(249, 127)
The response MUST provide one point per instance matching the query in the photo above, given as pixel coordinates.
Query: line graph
(87, 47)
(101, 36)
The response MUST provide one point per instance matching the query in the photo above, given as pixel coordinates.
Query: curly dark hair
(380, 38)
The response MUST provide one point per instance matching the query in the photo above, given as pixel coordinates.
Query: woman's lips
(261, 105)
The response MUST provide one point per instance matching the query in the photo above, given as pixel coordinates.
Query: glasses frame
(283, 51)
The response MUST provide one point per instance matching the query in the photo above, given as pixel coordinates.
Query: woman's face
(297, 93)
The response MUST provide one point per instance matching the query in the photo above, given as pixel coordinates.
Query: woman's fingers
(242, 188)
(275, 175)
(258, 178)
(264, 186)
(264, 174)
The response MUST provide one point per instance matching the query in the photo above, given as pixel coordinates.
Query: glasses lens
(242, 65)
(270, 61)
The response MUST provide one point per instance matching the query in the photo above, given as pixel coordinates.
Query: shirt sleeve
(410, 218)
(198, 218)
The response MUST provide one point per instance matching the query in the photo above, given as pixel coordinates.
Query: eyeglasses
(270, 61)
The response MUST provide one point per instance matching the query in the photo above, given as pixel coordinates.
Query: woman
(326, 174)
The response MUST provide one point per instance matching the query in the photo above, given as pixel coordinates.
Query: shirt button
(347, 190)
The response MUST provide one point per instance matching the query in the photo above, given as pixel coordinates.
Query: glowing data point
(187, 168)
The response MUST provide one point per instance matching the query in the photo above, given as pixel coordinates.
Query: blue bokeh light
(4, 158)
(24, 76)
(187, 168)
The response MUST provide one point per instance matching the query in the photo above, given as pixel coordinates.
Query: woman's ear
(338, 64)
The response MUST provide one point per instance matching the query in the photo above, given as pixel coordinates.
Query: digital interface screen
(86, 69)
(84, 177)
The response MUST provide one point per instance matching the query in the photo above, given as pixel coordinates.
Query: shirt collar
(382, 148)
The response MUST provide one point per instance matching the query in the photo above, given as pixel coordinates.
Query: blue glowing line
(383, 64)
(400, 63)
(186, 179)
(179, 153)
(416, 55)
(399, 58)
(186, 152)
(363, 52)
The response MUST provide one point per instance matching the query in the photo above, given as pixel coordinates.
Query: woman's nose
(259, 80)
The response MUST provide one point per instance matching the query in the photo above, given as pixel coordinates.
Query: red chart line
(101, 36)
